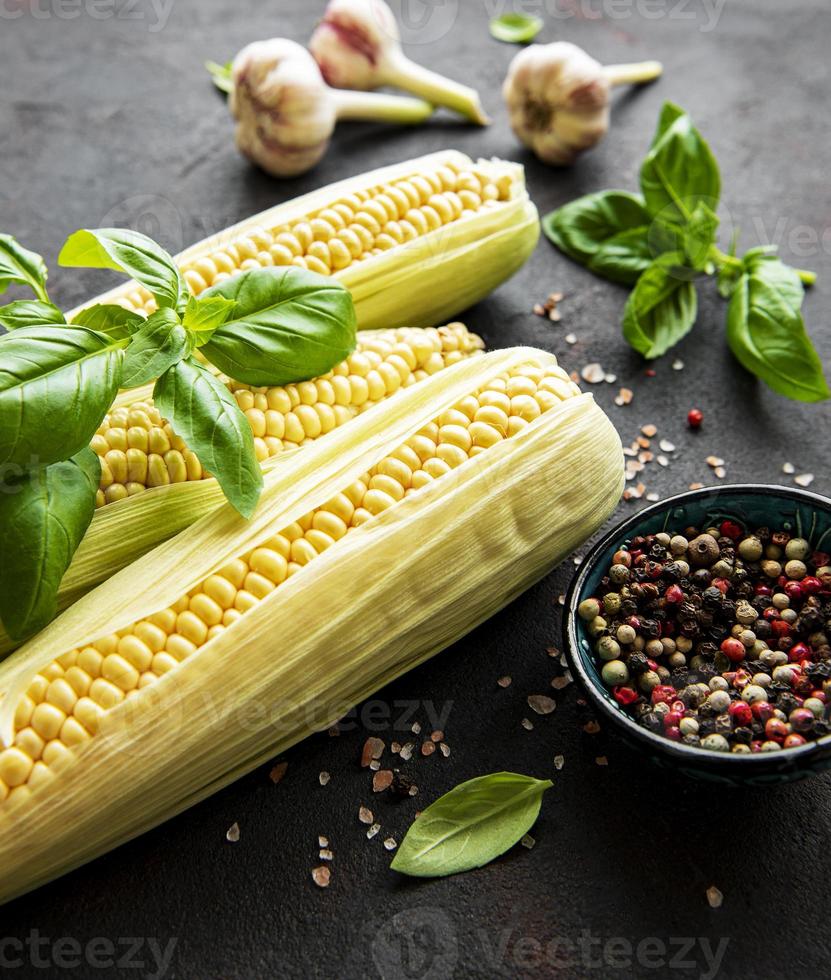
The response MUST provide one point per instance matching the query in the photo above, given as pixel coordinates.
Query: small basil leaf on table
(516, 28)
(766, 332)
(581, 228)
(160, 343)
(288, 325)
(221, 76)
(204, 314)
(471, 825)
(679, 170)
(114, 321)
(661, 308)
(205, 414)
(29, 313)
(19, 265)
(43, 516)
(130, 252)
(56, 384)
(623, 257)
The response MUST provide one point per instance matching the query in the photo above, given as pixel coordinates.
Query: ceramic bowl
(799, 511)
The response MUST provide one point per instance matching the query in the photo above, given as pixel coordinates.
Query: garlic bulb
(358, 46)
(558, 98)
(286, 113)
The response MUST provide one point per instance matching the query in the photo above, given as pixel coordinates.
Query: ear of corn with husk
(502, 468)
(415, 243)
(139, 451)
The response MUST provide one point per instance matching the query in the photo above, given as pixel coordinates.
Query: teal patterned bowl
(804, 513)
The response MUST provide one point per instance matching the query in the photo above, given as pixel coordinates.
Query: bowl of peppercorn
(700, 629)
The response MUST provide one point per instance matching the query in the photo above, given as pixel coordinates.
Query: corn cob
(414, 243)
(138, 449)
(470, 485)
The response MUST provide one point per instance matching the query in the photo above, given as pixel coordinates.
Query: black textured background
(106, 116)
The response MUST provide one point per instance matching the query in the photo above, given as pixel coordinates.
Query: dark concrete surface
(106, 116)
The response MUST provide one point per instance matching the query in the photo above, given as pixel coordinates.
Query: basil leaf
(679, 170)
(471, 825)
(221, 76)
(516, 28)
(581, 228)
(766, 332)
(204, 314)
(623, 257)
(130, 252)
(29, 313)
(43, 516)
(661, 309)
(205, 414)
(18, 264)
(111, 319)
(56, 384)
(160, 343)
(288, 324)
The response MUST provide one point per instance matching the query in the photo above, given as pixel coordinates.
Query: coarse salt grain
(593, 373)
(714, 897)
(528, 841)
(678, 365)
(667, 446)
(649, 430)
(541, 704)
(661, 460)
(365, 815)
(570, 338)
(324, 778)
(382, 780)
(591, 727)
(428, 748)
(325, 854)
(527, 724)
(601, 760)
(390, 843)
(804, 479)
(624, 396)
(232, 833)
(278, 772)
(322, 841)
(444, 748)
(559, 762)
(788, 468)
(561, 682)
(504, 681)
(321, 876)
(373, 830)
(373, 749)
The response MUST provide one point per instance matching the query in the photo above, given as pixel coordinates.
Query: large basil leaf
(766, 332)
(56, 384)
(43, 516)
(158, 344)
(204, 413)
(471, 825)
(609, 227)
(661, 308)
(679, 171)
(288, 324)
(18, 264)
(130, 252)
(29, 313)
(108, 318)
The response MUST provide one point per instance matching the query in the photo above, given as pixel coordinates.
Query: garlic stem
(379, 107)
(633, 74)
(402, 72)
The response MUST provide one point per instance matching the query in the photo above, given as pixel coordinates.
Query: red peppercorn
(674, 594)
(650, 372)
(624, 695)
(740, 712)
(733, 649)
(820, 558)
(810, 584)
(634, 622)
(622, 558)
(801, 719)
(798, 652)
(792, 741)
(672, 718)
(771, 613)
(793, 590)
(762, 710)
(663, 693)
(673, 732)
(762, 589)
(694, 418)
(730, 529)
(776, 730)
(722, 584)
(780, 627)
(652, 664)
(820, 696)
(678, 706)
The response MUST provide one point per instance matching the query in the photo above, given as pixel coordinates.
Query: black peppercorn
(701, 578)
(637, 663)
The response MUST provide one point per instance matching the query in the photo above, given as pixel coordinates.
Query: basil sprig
(664, 240)
(57, 381)
(471, 825)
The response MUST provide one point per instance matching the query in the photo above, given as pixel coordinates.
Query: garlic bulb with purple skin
(358, 46)
(286, 113)
(558, 98)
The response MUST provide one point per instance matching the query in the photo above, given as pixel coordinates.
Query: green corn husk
(382, 599)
